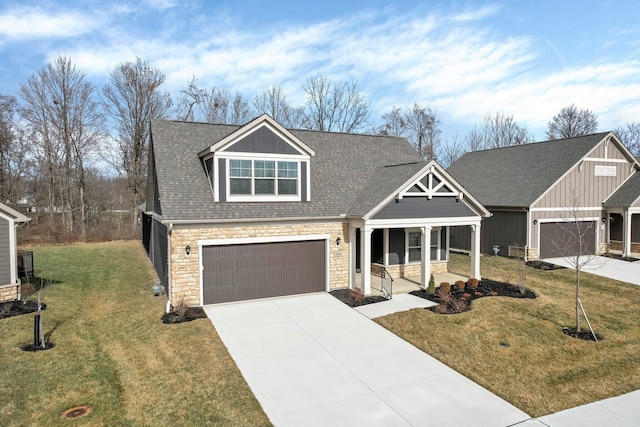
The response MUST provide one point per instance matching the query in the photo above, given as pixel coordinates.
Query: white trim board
(266, 239)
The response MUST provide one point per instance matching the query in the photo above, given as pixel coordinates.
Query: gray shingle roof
(627, 194)
(340, 173)
(516, 176)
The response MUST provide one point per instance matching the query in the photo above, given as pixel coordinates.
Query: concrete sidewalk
(311, 360)
(624, 271)
(399, 302)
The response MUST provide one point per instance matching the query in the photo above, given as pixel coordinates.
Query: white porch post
(626, 237)
(365, 260)
(425, 256)
(475, 251)
(352, 257)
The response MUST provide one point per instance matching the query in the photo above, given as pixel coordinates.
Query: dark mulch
(354, 298)
(621, 258)
(585, 335)
(459, 300)
(16, 308)
(32, 348)
(541, 265)
(186, 315)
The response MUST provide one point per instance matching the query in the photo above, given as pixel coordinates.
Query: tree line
(59, 127)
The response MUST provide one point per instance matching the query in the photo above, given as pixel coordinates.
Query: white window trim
(263, 197)
(437, 229)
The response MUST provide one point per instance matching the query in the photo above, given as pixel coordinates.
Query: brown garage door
(561, 239)
(262, 270)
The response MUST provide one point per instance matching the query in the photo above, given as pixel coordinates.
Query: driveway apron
(624, 271)
(311, 360)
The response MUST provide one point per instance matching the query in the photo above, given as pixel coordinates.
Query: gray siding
(159, 252)
(504, 229)
(396, 246)
(157, 205)
(303, 182)
(422, 207)
(222, 174)
(5, 252)
(263, 141)
(582, 184)
(208, 165)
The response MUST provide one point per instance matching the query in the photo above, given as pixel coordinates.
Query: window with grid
(263, 177)
(415, 246)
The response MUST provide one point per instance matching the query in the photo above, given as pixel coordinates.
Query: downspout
(526, 244)
(169, 230)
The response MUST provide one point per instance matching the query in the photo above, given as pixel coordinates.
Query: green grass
(113, 353)
(542, 370)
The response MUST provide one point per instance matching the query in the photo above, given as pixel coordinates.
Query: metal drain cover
(77, 412)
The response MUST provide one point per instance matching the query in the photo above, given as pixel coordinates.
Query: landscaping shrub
(473, 283)
(432, 286)
(459, 285)
(444, 289)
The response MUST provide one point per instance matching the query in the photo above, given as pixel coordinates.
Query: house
(537, 192)
(255, 211)
(9, 283)
(623, 208)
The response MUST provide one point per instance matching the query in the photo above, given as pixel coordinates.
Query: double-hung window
(415, 246)
(263, 178)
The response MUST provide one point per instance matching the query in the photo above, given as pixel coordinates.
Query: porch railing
(381, 272)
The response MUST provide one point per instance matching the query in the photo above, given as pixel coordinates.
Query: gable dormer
(260, 162)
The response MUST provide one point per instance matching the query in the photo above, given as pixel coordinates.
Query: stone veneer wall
(184, 276)
(413, 269)
(9, 292)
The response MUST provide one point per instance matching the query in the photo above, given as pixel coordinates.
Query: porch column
(352, 257)
(425, 256)
(365, 260)
(626, 233)
(475, 251)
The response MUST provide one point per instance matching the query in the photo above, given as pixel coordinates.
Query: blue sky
(465, 59)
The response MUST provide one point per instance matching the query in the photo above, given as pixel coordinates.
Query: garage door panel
(252, 271)
(566, 239)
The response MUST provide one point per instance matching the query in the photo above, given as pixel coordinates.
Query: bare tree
(13, 151)
(273, 102)
(573, 242)
(570, 122)
(630, 136)
(131, 99)
(497, 131)
(334, 107)
(60, 108)
(420, 125)
(451, 151)
(423, 130)
(394, 123)
(191, 98)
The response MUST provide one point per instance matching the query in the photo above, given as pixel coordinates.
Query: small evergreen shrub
(473, 283)
(432, 286)
(459, 285)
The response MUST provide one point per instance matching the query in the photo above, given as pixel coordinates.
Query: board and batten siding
(422, 207)
(503, 228)
(582, 184)
(5, 252)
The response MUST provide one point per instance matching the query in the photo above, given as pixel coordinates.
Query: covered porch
(392, 260)
(624, 231)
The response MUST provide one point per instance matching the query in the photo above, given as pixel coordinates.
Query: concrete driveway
(311, 360)
(612, 268)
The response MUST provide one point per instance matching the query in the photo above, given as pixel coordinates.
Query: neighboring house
(9, 283)
(623, 208)
(535, 191)
(254, 211)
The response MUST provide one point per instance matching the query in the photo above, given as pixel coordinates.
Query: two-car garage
(252, 270)
(562, 239)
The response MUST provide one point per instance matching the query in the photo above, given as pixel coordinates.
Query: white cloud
(36, 23)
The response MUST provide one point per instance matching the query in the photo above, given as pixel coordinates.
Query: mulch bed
(186, 315)
(354, 298)
(541, 265)
(459, 300)
(16, 308)
(583, 334)
(621, 258)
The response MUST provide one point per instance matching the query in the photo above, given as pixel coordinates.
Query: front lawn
(516, 348)
(112, 351)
